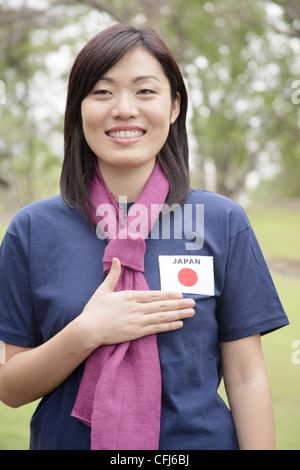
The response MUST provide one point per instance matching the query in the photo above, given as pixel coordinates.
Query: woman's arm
(108, 318)
(248, 392)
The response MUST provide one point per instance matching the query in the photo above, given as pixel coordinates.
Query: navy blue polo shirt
(50, 266)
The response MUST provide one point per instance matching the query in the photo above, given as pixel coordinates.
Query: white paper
(187, 274)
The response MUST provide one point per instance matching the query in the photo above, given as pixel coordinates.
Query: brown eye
(146, 91)
(102, 92)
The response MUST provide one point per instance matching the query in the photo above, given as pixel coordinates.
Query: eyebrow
(137, 79)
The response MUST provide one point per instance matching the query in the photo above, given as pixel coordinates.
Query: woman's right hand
(108, 318)
(115, 317)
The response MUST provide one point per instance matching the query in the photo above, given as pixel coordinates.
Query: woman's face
(127, 116)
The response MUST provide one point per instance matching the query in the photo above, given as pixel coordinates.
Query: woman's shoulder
(213, 200)
(219, 208)
(42, 213)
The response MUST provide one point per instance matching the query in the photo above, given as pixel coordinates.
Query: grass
(278, 231)
(14, 427)
(283, 373)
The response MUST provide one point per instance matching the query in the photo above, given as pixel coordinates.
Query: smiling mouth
(133, 134)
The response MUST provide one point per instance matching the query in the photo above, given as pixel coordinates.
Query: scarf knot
(130, 252)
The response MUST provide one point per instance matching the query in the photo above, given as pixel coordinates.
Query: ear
(175, 108)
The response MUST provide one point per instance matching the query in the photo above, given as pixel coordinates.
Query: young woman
(124, 322)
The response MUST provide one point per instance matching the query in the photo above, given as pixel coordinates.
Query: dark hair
(101, 53)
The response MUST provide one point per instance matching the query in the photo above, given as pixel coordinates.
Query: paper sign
(187, 274)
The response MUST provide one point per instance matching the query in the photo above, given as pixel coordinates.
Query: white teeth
(126, 134)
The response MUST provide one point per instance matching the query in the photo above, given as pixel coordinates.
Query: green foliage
(240, 62)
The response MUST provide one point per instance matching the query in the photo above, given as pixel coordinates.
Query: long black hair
(101, 53)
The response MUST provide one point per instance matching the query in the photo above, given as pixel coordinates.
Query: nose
(125, 107)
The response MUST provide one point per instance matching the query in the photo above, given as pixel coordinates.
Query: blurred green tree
(23, 149)
(240, 62)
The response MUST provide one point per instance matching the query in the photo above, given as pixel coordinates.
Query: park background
(241, 63)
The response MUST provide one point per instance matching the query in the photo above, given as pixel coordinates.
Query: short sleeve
(249, 303)
(18, 324)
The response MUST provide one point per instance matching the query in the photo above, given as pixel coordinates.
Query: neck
(128, 182)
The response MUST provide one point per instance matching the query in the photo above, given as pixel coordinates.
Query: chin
(129, 163)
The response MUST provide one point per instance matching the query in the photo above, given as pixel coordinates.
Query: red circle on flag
(188, 277)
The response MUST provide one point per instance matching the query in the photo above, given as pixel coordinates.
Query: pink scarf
(120, 392)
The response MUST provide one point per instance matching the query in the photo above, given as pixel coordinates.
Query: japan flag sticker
(187, 274)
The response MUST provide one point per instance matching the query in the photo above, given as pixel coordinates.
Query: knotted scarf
(120, 392)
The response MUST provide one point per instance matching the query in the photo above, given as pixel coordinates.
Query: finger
(162, 328)
(113, 276)
(163, 322)
(154, 295)
(167, 317)
(166, 305)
